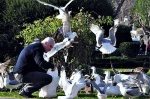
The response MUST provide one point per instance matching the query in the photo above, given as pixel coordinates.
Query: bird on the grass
(129, 92)
(11, 84)
(1, 81)
(105, 45)
(72, 88)
(49, 90)
(101, 92)
(95, 75)
(4, 66)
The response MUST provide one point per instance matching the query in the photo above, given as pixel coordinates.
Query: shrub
(79, 23)
(123, 34)
(129, 49)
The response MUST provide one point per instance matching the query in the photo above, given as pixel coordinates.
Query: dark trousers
(34, 81)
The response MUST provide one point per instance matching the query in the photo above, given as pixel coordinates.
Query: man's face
(49, 46)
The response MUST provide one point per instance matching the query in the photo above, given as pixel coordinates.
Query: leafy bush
(123, 34)
(40, 29)
(116, 53)
(129, 49)
(79, 23)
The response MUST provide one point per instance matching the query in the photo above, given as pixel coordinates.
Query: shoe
(26, 95)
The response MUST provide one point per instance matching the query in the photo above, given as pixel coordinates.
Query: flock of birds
(111, 85)
(132, 85)
(105, 45)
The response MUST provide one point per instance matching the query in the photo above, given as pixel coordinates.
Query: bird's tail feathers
(107, 48)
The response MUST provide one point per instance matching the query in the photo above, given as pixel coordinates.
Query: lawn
(14, 95)
(81, 95)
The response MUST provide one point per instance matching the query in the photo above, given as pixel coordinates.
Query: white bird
(63, 81)
(105, 45)
(4, 66)
(95, 75)
(1, 81)
(107, 77)
(64, 15)
(128, 92)
(145, 83)
(50, 89)
(101, 92)
(57, 47)
(71, 89)
(73, 74)
(11, 84)
(112, 88)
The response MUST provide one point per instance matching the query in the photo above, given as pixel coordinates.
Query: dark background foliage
(14, 14)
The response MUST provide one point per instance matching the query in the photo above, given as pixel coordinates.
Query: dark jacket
(31, 59)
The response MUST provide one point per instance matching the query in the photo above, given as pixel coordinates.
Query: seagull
(63, 81)
(128, 92)
(112, 88)
(1, 81)
(101, 93)
(11, 84)
(105, 45)
(107, 77)
(71, 89)
(64, 15)
(3, 67)
(95, 75)
(50, 89)
(73, 74)
(58, 46)
(146, 83)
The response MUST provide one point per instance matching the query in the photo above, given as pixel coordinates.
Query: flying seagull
(64, 15)
(105, 45)
(65, 30)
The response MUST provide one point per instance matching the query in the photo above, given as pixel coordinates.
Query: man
(31, 67)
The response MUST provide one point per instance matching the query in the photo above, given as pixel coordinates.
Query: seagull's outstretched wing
(99, 33)
(95, 29)
(56, 48)
(49, 5)
(68, 4)
(98, 87)
(112, 37)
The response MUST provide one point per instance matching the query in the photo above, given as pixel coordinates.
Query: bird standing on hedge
(105, 45)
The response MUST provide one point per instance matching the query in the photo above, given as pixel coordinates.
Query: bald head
(48, 43)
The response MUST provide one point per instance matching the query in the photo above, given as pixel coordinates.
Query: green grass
(14, 95)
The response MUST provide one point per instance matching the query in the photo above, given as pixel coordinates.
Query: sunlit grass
(14, 95)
